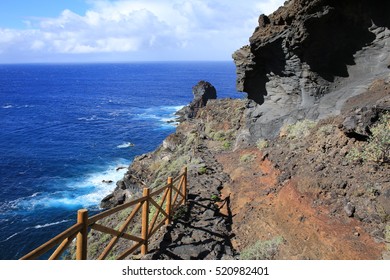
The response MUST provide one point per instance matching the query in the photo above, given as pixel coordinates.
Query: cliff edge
(308, 58)
(300, 169)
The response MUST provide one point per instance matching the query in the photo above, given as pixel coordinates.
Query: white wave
(165, 115)
(90, 190)
(50, 224)
(10, 106)
(75, 193)
(26, 106)
(115, 114)
(94, 118)
(19, 203)
(34, 227)
(35, 194)
(88, 119)
(13, 235)
(170, 120)
(173, 109)
(125, 145)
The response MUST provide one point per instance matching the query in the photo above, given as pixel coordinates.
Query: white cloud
(207, 28)
(269, 6)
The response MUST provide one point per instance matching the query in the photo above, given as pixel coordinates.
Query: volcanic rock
(203, 91)
(309, 57)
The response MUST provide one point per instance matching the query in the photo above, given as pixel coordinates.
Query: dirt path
(200, 231)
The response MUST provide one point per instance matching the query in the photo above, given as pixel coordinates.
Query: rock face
(303, 194)
(202, 91)
(307, 58)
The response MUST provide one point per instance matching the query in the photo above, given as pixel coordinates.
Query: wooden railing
(157, 207)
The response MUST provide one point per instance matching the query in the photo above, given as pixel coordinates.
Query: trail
(200, 231)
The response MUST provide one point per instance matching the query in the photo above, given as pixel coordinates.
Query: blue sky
(126, 30)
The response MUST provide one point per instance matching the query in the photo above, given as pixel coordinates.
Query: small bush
(247, 158)
(354, 155)
(262, 144)
(298, 130)
(378, 147)
(226, 145)
(202, 170)
(262, 250)
(219, 136)
(387, 238)
(215, 198)
(191, 140)
(326, 130)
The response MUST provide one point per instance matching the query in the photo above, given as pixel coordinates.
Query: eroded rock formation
(307, 58)
(203, 91)
(305, 193)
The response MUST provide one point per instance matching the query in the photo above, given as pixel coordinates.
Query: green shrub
(298, 130)
(354, 155)
(326, 130)
(215, 198)
(378, 147)
(226, 145)
(202, 170)
(262, 144)
(191, 140)
(245, 158)
(262, 250)
(219, 136)
(387, 237)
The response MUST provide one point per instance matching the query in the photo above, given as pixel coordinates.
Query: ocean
(66, 128)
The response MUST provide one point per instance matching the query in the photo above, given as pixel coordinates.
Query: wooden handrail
(114, 210)
(180, 176)
(115, 239)
(53, 242)
(145, 222)
(159, 191)
(64, 245)
(82, 236)
(167, 195)
(168, 206)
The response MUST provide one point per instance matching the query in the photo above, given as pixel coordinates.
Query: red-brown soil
(262, 209)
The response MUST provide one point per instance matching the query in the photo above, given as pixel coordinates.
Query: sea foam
(86, 191)
(125, 145)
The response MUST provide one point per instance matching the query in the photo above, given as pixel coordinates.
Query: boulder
(349, 209)
(203, 91)
(357, 122)
(264, 20)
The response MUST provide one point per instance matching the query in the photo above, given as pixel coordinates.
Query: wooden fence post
(168, 207)
(82, 236)
(145, 221)
(185, 185)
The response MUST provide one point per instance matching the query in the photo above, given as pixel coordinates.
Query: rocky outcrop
(126, 189)
(303, 193)
(361, 112)
(203, 91)
(307, 58)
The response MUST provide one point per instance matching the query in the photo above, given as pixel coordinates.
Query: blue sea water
(66, 128)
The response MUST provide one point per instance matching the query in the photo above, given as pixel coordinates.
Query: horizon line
(113, 62)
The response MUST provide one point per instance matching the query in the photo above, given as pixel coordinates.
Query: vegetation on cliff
(300, 170)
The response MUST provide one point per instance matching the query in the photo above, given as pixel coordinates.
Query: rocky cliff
(300, 169)
(308, 57)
